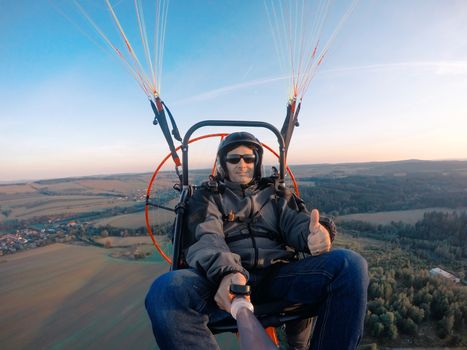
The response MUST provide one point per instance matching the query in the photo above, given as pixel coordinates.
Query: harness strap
(245, 236)
(213, 186)
(220, 206)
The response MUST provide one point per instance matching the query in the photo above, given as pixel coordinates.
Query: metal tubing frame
(178, 225)
(235, 123)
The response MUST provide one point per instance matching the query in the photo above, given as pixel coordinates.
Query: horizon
(391, 87)
(24, 181)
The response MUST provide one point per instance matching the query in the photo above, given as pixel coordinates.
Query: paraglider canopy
(142, 57)
(303, 31)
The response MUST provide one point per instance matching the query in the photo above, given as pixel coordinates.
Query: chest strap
(241, 236)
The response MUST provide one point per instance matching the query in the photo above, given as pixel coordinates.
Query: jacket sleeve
(294, 222)
(210, 253)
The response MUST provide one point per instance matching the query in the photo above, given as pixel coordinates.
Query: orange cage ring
(161, 164)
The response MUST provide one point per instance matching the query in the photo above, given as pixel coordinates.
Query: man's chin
(243, 179)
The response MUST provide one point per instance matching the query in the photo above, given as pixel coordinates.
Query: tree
(416, 314)
(387, 291)
(391, 332)
(376, 306)
(377, 329)
(439, 305)
(402, 304)
(408, 326)
(444, 326)
(387, 319)
(374, 326)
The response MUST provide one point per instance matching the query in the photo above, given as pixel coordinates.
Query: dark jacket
(243, 228)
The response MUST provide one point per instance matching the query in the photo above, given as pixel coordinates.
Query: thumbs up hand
(319, 240)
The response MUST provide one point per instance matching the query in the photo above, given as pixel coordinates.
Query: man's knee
(181, 289)
(352, 265)
(156, 294)
(351, 259)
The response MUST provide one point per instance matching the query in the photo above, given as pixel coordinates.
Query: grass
(125, 241)
(77, 297)
(136, 220)
(65, 197)
(74, 297)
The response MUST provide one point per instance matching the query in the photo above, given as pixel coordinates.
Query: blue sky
(392, 86)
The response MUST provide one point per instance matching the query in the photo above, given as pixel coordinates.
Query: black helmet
(234, 140)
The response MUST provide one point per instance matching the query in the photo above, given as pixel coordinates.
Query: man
(247, 231)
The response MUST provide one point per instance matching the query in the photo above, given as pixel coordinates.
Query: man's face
(242, 171)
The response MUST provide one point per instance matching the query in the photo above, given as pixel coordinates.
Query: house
(440, 272)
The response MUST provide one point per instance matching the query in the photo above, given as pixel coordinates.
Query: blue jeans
(180, 303)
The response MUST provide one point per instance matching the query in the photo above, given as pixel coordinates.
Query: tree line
(363, 194)
(438, 236)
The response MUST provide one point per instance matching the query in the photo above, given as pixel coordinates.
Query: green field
(386, 217)
(128, 221)
(24, 207)
(77, 297)
(136, 220)
(62, 206)
(69, 197)
(125, 241)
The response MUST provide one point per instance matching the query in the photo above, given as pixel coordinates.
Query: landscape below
(405, 218)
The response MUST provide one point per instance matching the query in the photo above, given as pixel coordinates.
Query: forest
(366, 194)
(407, 305)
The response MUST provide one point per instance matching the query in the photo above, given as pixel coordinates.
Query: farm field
(70, 297)
(129, 221)
(126, 241)
(123, 184)
(62, 206)
(67, 197)
(137, 220)
(386, 217)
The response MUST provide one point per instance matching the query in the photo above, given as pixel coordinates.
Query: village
(29, 238)
(60, 230)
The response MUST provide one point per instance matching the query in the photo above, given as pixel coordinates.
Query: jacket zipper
(253, 240)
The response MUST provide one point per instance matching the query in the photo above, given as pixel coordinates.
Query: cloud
(437, 67)
(452, 68)
(211, 94)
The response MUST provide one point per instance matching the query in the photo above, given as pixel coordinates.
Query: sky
(392, 86)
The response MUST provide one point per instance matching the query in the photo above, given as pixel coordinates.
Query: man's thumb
(314, 216)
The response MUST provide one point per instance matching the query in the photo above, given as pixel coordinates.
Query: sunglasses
(235, 158)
